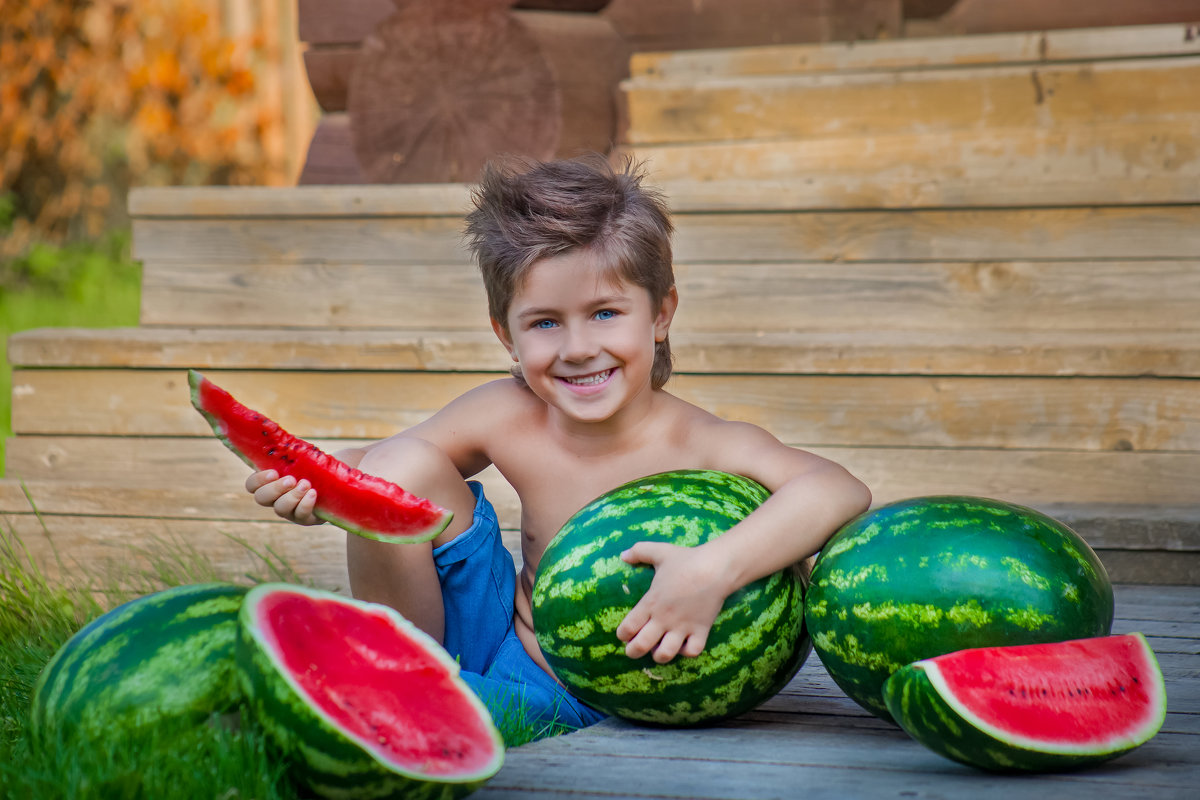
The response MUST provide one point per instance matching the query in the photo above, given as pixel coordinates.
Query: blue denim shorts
(478, 579)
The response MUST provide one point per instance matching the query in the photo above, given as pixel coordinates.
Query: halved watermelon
(362, 702)
(1037, 707)
(349, 498)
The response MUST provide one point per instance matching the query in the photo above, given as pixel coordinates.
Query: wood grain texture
(983, 234)
(1030, 477)
(1117, 163)
(873, 104)
(1031, 47)
(873, 350)
(1031, 413)
(952, 297)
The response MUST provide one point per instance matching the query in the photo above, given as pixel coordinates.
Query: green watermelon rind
(323, 757)
(321, 464)
(163, 656)
(869, 616)
(722, 682)
(923, 705)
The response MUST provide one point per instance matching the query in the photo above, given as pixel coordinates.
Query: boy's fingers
(633, 622)
(694, 645)
(269, 493)
(645, 552)
(645, 641)
(304, 509)
(668, 648)
(257, 480)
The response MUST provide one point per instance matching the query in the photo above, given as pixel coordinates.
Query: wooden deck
(811, 741)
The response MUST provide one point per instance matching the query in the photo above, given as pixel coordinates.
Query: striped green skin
(583, 591)
(923, 710)
(321, 757)
(931, 575)
(165, 656)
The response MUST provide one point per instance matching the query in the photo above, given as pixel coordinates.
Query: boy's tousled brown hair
(527, 211)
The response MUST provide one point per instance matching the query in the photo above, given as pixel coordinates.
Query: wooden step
(769, 296)
(910, 101)
(1111, 163)
(90, 525)
(989, 234)
(1031, 477)
(873, 350)
(1039, 47)
(1077, 414)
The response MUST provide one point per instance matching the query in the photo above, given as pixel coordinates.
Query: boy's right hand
(292, 500)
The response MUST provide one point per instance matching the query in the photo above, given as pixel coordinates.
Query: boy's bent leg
(403, 576)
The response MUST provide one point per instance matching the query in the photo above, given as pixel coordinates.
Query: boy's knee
(425, 470)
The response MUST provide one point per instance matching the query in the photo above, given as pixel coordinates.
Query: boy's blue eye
(605, 314)
(544, 324)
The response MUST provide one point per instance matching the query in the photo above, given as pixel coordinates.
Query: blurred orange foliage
(100, 95)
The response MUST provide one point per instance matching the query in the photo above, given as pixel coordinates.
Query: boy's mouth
(594, 379)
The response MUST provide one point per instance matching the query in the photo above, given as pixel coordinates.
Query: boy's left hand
(677, 611)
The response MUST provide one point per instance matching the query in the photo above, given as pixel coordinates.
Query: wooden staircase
(963, 265)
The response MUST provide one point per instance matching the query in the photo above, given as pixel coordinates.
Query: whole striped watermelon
(361, 702)
(932, 575)
(164, 656)
(583, 591)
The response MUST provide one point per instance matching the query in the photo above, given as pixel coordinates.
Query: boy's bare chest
(553, 484)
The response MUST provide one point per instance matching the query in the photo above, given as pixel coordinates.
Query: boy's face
(583, 338)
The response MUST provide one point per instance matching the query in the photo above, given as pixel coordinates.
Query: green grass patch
(93, 284)
(229, 757)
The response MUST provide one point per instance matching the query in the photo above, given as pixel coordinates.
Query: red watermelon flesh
(1036, 707)
(1099, 692)
(380, 683)
(363, 504)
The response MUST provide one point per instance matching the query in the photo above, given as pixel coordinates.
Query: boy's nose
(577, 345)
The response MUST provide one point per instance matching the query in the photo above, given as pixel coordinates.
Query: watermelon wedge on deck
(363, 504)
(361, 702)
(1034, 708)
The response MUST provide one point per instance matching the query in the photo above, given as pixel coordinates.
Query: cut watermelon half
(363, 504)
(364, 703)
(1038, 707)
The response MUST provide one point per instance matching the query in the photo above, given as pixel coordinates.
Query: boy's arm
(811, 498)
(458, 429)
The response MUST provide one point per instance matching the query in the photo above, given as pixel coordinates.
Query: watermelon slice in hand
(1033, 708)
(363, 504)
(361, 702)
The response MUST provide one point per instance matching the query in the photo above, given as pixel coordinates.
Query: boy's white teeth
(590, 380)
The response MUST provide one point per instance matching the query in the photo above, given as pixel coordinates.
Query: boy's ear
(505, 339)
(666, 313)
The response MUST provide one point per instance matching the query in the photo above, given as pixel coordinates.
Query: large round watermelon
(931, 575)
(361, 702)
(164, 656)
(1033, 707)
(583, 591)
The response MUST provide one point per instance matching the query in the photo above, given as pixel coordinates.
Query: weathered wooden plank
(1040, 47)
(869, 104)
(1154, 414)
(1079, 165)
(993, 235)
(1101, 233)
(224, 500)
(81, 550)
(215, 500)
(1094, 295)
(875, 350)
(364, 200)
(1032, 477)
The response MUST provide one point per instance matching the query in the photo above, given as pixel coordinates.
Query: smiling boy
(576, 260)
